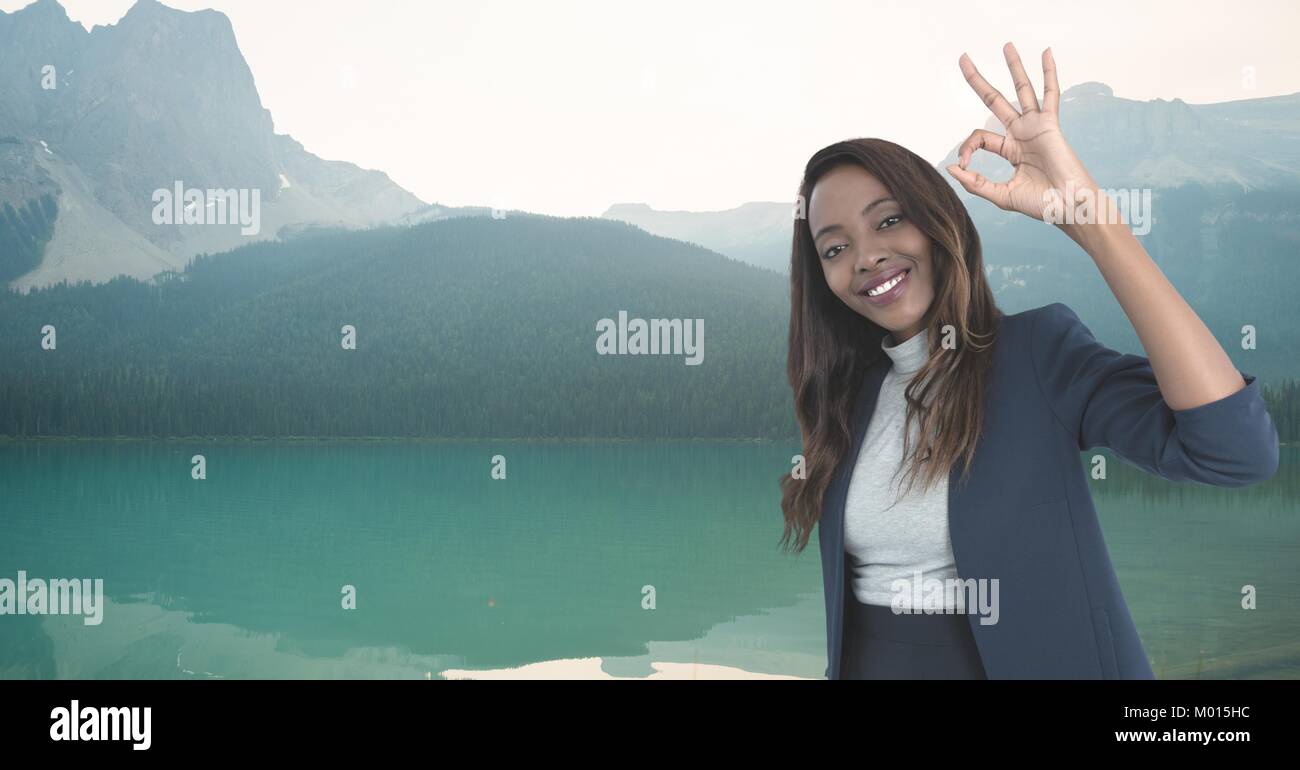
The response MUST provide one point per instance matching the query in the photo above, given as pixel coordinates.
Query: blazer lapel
(831, 524)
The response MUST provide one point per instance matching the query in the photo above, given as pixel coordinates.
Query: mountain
(481, 325)
(103, 122)
(465, 327)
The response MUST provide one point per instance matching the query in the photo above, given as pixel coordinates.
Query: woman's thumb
(967, 178)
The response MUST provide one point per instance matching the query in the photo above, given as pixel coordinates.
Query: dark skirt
(879, 644)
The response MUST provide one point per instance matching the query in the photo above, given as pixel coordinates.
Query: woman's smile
(885, 289)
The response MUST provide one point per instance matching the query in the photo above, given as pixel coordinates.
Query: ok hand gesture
(1044, 162)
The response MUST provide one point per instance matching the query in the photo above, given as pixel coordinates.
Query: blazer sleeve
(1109, 399)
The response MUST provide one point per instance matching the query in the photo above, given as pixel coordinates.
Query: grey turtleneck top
(885, 537)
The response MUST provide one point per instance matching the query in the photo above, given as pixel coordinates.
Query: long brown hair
(832, 347)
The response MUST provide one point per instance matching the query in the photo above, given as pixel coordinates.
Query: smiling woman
(900, 359)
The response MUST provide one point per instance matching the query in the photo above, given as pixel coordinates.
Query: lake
(457, 574)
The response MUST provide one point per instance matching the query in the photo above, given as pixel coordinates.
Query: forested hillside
(465, 327)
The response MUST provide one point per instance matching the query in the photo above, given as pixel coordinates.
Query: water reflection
(240, 575)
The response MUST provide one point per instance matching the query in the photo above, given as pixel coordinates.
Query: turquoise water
(240, 575)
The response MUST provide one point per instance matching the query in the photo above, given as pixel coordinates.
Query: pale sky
(565, 107)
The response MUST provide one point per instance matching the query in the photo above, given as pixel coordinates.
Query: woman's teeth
(887, 285)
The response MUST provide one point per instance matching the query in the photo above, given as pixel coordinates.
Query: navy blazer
(1026, 515)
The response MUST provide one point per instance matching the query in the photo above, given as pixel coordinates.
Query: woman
(942, 437)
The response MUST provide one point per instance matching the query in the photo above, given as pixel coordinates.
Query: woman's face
(864, 242)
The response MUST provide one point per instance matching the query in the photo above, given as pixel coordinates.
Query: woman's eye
(832, 251)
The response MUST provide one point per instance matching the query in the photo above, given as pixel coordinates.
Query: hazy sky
(566, 107)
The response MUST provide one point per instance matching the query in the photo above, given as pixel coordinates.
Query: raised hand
(1033, 144)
